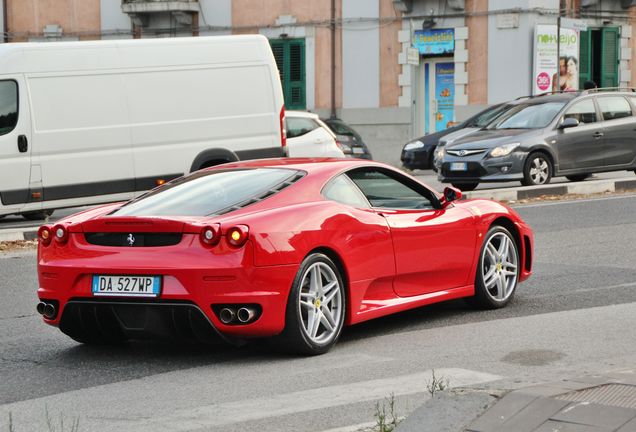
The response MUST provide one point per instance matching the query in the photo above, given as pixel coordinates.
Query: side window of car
(583, 111)
(299, 126)
(385, 191)
(614, 107)
(341, 189)
(8, 106)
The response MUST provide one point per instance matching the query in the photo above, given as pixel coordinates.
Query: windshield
(209, 192)
(488, 116)
(528, 116)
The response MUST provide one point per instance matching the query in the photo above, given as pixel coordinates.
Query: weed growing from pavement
(51, 425)
(436, 384)
(386, 418)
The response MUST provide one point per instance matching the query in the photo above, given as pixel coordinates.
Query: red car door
(434, 249)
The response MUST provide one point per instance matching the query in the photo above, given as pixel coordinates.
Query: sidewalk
(604, 403)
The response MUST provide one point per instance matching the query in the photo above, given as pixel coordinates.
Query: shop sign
(434, 41)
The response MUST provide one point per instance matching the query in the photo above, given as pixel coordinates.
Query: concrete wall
(114, 23)
(360, 54)
(215, 13)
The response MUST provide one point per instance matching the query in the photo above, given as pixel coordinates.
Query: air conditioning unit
(404, 6)
(52, 31)
(588, 3)
(457, 4)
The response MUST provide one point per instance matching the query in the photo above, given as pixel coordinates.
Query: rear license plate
(357, 150)
(458, 166)
(130, 286)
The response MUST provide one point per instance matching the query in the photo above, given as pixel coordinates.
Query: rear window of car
(339, 128)
(210, 192)
(299, 126)
(614, 107)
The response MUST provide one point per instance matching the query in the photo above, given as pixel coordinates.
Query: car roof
(302, 114)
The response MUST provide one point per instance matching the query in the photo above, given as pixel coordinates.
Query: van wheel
(577, 177)
(466, 187)
(37, 215)
(537, 170)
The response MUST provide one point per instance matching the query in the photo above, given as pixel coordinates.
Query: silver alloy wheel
(499, 266)
(320, 303)
(539, 170)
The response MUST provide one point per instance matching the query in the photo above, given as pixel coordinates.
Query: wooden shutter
(609, 57)
(290, 59)
(585, 57)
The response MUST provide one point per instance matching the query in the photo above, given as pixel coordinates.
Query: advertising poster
(544, 75)
(445, 95)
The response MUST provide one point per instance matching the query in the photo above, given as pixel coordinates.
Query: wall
(215, 13)
(114, 23)
(27, 18)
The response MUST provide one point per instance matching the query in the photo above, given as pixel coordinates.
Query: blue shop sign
(434, 41)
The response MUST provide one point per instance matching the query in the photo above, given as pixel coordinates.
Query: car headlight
(504, 150)
(439, 152)
(414, 145)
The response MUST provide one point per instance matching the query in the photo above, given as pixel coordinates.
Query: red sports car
(291, 248)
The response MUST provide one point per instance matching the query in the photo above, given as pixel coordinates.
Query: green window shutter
(609, 57)
(585, 58)
(297, 74)
(290, 59)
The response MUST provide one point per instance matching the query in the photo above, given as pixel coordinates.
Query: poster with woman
(547, 61)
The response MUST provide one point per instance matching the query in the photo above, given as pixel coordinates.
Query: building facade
(393, 69)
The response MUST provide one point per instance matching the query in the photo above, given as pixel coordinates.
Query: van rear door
(15, 145)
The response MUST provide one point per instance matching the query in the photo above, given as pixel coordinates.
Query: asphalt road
(576, 315)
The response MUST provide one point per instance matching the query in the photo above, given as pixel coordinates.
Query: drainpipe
(5, 21)
(333, 59)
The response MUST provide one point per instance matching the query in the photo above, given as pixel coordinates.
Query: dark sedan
(349, 141)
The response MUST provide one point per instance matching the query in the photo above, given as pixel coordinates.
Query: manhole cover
(618, 395)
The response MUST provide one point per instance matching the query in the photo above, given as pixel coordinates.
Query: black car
(419, 153)
(349, 141)
(571, 134)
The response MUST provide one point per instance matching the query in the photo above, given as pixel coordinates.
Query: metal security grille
(617, 395)
(290, 59)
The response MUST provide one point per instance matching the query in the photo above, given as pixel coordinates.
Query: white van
(90, 122)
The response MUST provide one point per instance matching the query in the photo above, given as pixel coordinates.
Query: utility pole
(558, 59)
(332, 26)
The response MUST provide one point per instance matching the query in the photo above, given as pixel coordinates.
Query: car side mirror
(568, 123)
(451, 194)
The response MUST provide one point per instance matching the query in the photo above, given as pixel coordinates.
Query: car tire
(577, 177)
(37, 215)
(497, 270)
(315, 313)
(466, 187)
(537, 170)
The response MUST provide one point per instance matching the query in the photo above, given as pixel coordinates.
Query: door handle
(597, 134)
(23, 144)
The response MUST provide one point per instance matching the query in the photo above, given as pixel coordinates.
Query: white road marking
(306, 400)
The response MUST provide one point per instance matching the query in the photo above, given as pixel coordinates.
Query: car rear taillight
(60, 233)
(210, 234)
(283, 131)
(44, 235)
(237, 235)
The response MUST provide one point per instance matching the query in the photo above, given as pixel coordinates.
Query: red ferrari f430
(292, 248)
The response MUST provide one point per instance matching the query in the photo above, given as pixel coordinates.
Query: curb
(527, 192)
(18, 234)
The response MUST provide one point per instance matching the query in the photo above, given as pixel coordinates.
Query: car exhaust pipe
(246, 314)
(227, 315)
(40, 308)
(49, 311)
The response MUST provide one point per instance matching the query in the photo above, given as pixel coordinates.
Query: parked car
(420, 153)
(289, 248)
(91, 122)
(482, 120)
(571, 134)
(308, 136)
(349, 140)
